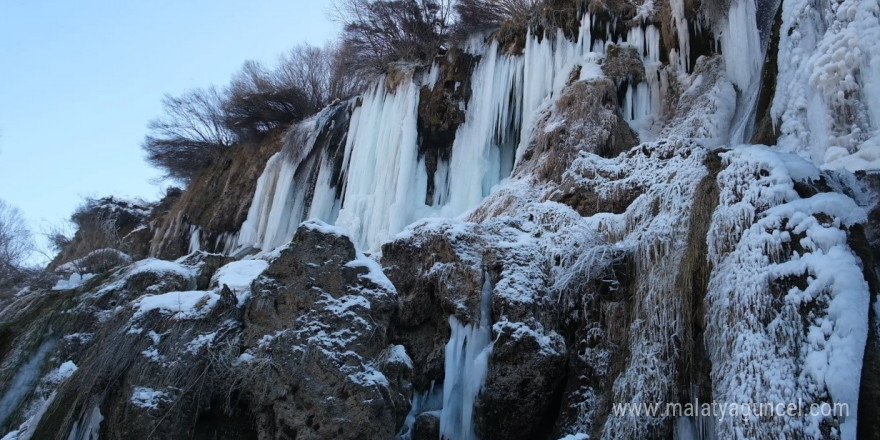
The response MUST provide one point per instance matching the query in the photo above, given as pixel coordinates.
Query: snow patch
(148, 398)
(180, 305)
(75, 281)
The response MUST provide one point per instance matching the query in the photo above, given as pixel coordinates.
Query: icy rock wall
(787, 303)
(661, 179)
(827, 104)
(385, 180)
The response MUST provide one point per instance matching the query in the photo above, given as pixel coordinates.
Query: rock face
(146, 356)
(316, 336)
(216, 202)
(109, 223)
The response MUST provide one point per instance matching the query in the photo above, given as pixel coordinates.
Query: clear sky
(79, 80)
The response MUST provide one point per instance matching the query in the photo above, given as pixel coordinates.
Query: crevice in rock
(694, 382)
(442, 110)
(766, 131)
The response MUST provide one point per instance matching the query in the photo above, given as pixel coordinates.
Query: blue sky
(79, 80)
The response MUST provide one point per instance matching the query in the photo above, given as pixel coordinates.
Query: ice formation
(381, 185)
(467, 363)
(764, 238)
(828, 98)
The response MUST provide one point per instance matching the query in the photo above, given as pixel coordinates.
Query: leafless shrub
(198, 125)
(15, 243)
(100, 261)
(190, 134)
(378, 32)
(58, 237)
(312, 70)
(476, 15)
(96, 227)
(258, 100)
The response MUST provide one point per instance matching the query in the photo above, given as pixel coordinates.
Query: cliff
(651, 204)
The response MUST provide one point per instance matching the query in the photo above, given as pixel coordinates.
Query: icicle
(681, 57)
(430, 402)
(741, 44)
(485, 143)
(21, 384)
(466, 365)
(194, 239)
(295, 186)
(382, 195)
(89, 427)
(385, 182)
(548, 64)
(743, 56)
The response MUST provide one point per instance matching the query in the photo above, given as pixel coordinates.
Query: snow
(591, 71)
(75, 281)
(238, 276)
(368, 377)
(194, 346)
(82, 338)
(766, 351)
(550, 344)
(148, 398)
(180, 305)
(397, 354)
(325, 228)
(829, 67)
(154, 265)
(62, 373)
(152, 354)
(374, 272)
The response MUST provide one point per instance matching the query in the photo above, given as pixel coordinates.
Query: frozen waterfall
(466, 366)
(374, 183)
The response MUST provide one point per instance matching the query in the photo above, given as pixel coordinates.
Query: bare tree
(15, 241)
(190, 134)
(259, 99)
(310, 69)
(97, 227)
(378, 32)
(314, 71)
(480, 14)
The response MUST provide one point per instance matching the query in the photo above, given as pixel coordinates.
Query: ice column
(466, 365)
(383, 193)
(743, 56)
(482, 153)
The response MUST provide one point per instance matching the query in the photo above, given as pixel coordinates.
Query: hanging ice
(482, 154)
(383, 191)
(377, 184)
(466, 365)
(295, 186)
(743, 53)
